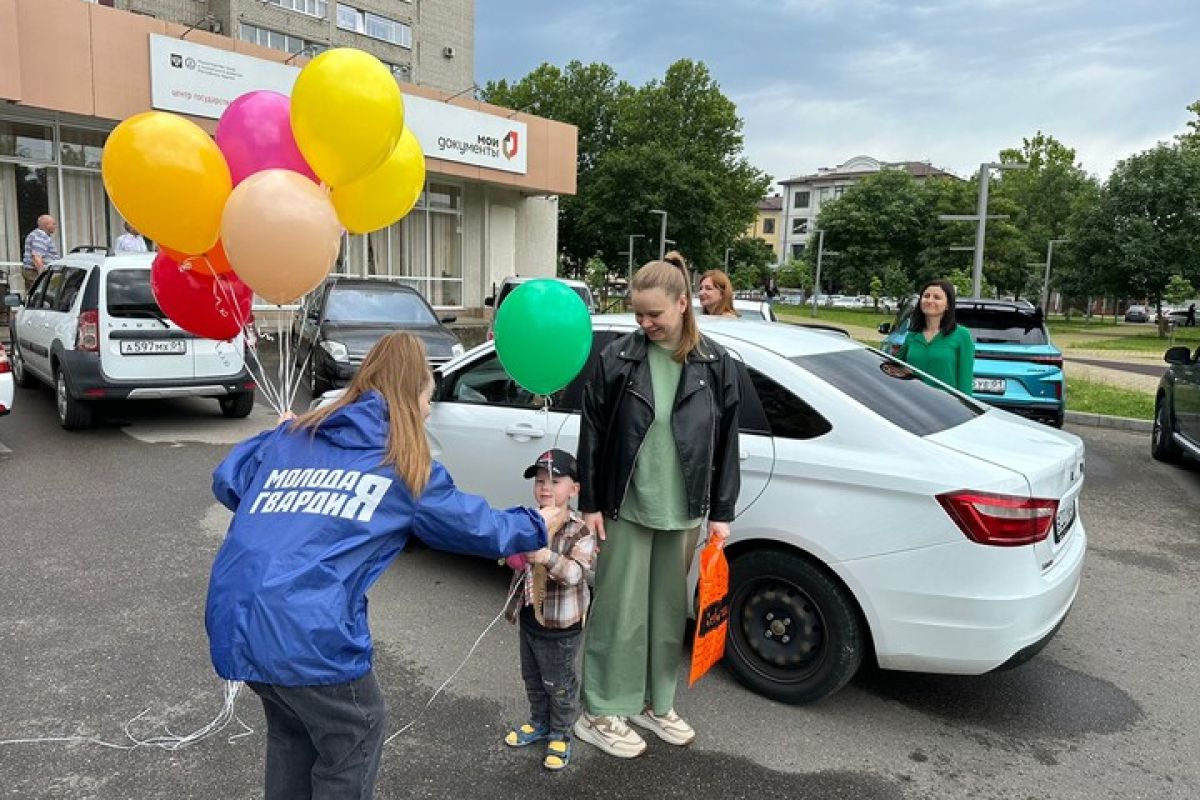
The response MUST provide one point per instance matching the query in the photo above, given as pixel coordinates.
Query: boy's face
(553, 491)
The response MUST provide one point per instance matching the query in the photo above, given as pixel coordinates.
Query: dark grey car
(346, 316)
(1177, 407)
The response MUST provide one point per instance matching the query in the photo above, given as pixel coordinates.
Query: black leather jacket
(618, 409)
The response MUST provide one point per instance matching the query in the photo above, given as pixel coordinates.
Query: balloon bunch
(262, 208)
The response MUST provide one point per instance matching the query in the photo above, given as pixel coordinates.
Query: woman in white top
(131, 241)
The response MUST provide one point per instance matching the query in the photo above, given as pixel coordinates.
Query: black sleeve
(593, 426)
(727, 476)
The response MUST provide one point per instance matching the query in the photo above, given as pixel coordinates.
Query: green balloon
(543, 335)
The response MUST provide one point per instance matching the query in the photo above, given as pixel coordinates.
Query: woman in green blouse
(935, 343)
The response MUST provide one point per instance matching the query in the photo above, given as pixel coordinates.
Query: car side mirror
(1178, 355)
(449, 319)
(885, 328)
(12, 300)
(489, 301)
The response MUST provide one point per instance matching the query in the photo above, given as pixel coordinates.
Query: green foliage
(597, 272)
(795, 274)
(1179, 289)
(1191, 139)
(751, 253)
(673, 144)
(896, 283)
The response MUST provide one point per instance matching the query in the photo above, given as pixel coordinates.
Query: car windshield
(998, 326)
(892, 390)
(377, 305)
(128, 295)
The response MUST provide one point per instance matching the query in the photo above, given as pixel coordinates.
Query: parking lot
(107, 536)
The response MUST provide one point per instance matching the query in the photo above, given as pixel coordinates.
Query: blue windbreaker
(317, 520)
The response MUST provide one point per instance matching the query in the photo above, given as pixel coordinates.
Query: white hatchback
(91, 329)
(878, 513)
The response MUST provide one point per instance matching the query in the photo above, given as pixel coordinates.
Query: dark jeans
(548, 667)
(323, 742)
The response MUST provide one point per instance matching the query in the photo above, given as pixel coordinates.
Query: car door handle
(525, 431)
(744, 455)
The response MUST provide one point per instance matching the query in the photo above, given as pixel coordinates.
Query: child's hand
(517, 561)
(541, 556)
(555, 518)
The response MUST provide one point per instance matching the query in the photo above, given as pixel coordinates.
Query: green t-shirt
(657, 496)
(949, 357)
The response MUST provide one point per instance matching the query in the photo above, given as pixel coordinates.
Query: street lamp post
(632, 236)
(728, 250)
(662, 235)
(817, 279)
(980, 217)
(1046, 280)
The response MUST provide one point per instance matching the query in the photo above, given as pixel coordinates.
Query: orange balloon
(281, 234)
(212, 263)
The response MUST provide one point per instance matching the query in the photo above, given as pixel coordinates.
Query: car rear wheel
(237, 406)
(73, 414)
(795, 634)
(21, 376)
(1162, 444)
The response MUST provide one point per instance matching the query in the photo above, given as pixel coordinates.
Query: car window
(997, 326)
(571, 399)
(128, 295)
(892, 390)
(72, 283)
(789, 416)
(34, 298)
(53, 287)
(348, 304)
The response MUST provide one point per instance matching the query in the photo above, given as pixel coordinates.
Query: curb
(1105, 421)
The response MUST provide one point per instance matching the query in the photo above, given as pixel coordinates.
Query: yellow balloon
(347, 114)
(387, 194)
(281, 234)
(168, 178)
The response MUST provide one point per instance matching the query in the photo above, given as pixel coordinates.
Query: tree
(673, 144)
(876, 290)
(1179, 290)
(795, 274)
(896, 283)
(1191, 139)
(751, 252)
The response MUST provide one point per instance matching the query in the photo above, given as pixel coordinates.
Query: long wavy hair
(721, 281)
(673, 280)
(396, 368)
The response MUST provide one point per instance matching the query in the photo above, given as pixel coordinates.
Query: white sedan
(878, 514)
(758, 310)
(6, 383)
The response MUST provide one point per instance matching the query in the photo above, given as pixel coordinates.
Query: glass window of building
(26, 141)
(375, 26)
(768, 226)
(313, 8)
(276, 40)
(800, 200)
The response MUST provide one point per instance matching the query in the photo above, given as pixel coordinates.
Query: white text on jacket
(348, 494)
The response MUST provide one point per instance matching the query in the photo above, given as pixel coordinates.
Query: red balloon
(214, 308)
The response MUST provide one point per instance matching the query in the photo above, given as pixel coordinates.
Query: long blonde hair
(721, 281)
(673, 279)
(395, 368)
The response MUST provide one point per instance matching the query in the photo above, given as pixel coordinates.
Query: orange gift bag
(712, 612)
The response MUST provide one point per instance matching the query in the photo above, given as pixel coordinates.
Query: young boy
(551, 606)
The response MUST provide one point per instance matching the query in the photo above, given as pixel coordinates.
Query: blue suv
(1016, 366)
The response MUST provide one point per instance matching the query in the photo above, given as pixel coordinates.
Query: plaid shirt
(570, 569)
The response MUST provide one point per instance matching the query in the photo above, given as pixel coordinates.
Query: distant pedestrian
(936, 344)
(40, 249)
(131, 241)
(1190, 320)
(771, 290)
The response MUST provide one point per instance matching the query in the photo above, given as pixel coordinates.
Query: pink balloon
(255, 133)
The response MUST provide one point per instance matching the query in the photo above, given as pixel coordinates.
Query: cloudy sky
(949, 81)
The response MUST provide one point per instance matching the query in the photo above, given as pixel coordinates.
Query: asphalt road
(106, 537)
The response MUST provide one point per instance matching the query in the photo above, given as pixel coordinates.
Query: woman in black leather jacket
(658, 456)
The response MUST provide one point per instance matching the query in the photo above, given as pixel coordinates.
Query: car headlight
(337, 351)
(457, 350)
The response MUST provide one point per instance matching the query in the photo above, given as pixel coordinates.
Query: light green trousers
(634, 641)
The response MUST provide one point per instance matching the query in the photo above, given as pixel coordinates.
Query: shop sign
(191, 78)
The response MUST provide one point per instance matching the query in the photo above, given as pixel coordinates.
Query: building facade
(803, 196)
(767, 222)
(71, 70)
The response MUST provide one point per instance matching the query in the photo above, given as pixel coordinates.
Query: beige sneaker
(610, 734)
(669, 727)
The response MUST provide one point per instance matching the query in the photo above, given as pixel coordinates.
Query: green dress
(949, 357)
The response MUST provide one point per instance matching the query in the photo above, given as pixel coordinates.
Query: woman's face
(425, 399)
(709, 294)
(933, 301)
(659, 314)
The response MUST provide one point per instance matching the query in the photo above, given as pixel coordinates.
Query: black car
(1137, 314)
(1177, 408)
(344, 318)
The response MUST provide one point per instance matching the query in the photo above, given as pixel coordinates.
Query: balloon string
(250, 339)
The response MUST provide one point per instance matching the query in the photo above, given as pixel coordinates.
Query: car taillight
(87, 334)
(998, 519)
(1050, 361)
(251, 332)
(4, 365)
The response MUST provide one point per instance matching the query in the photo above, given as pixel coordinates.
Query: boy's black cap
(559, 462)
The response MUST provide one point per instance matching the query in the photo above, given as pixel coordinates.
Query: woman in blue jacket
(322, 506)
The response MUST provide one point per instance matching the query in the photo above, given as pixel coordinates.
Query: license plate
(159, 347)
(1064, 521)
(991, 385)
